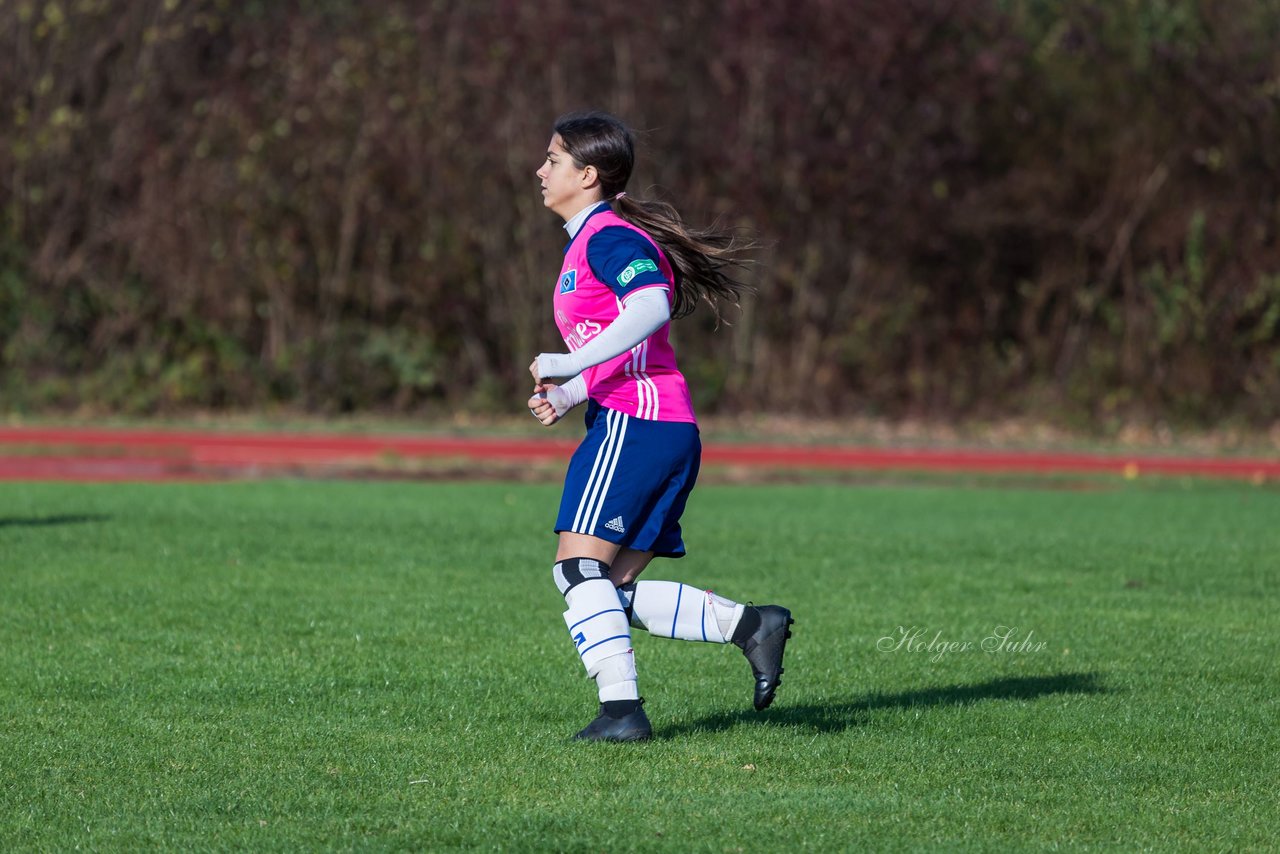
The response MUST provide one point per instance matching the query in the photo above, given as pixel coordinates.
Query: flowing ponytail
(702, 259)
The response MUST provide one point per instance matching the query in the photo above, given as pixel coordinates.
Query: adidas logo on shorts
(615, 524)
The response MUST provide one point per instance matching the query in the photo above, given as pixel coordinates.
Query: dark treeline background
(971, 208)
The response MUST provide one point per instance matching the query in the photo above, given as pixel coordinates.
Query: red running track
(104, 455)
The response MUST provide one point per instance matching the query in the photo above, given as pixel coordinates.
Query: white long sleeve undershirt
(643, 314)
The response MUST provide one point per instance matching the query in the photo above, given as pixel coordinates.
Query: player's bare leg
(585, 545)
(627, 566)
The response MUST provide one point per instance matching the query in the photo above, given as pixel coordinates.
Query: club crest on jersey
(635, 268)
(569, 282)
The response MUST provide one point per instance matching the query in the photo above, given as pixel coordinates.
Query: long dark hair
(701, 258)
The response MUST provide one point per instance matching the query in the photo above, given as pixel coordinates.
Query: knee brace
(571, 572)
(627, 595)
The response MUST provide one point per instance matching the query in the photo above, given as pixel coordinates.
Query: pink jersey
(643, 382)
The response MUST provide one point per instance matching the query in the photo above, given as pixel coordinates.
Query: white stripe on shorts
(595, 469)
(606, 460)
(622, 435)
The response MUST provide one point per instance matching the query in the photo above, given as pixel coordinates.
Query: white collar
(574, 225)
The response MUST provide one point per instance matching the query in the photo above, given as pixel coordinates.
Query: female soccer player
(628, 269)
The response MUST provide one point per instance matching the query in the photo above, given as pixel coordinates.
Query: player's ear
(590, 177)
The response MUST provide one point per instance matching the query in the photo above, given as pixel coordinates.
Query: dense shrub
(972, 208)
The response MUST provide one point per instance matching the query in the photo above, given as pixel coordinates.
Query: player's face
(566, 189)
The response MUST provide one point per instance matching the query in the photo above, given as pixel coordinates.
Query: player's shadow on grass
(50, 521)
(840, 715)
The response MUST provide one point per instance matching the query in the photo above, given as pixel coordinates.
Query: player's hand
(549, 403)
(541, 407)
(551, 366)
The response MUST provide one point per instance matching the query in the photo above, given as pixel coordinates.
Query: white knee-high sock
(598, 626)
(670, 609)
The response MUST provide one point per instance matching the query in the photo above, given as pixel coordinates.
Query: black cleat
(633, 726)
(764, 649)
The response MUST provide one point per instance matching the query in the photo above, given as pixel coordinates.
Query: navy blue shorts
(629, 479)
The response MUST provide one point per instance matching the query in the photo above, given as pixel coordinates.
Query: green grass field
(296, 665)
